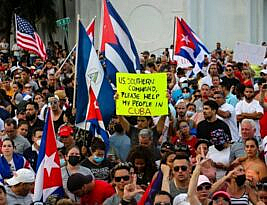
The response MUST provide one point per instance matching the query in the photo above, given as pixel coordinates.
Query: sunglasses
(54, 102)
(162, 203)
(177, 168)
(197, 96)
(202, 187)
(125, 178)
(228, 70)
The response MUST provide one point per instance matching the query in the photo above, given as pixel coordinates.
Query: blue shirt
(121, 143)
(231, 99)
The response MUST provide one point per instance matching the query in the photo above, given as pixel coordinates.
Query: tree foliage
(35, 11)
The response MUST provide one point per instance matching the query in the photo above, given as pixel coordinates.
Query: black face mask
(118, 128)
(240, 180)
(74, 160)
(219, 147)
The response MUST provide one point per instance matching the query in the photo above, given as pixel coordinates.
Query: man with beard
(21, 143)
(249, 108)
(32, 118)
(211, 124)
(120, 143)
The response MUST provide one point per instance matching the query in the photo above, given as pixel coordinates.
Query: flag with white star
(28, 39)
(48, 173)
(188, 46)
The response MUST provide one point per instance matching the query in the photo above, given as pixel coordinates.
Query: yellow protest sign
(142, 94)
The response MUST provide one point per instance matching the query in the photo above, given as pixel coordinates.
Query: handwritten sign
(141, 94)
(252, 53)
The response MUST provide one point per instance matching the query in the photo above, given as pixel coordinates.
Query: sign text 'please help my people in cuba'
(141, 94)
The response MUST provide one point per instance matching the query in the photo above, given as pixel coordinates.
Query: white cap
(202, 179)
(21, 176)
(181, 199)
(264, 71)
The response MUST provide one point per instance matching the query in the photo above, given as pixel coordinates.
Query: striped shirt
(243, 200)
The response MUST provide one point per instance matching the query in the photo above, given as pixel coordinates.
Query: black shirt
(101, 171)
(205, 128)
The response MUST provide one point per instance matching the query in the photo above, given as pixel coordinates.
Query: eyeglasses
(162, 203)
(222, 200)
(197, 96)
(202, 187)
(177, 168)
(125, 178)
(138, 120)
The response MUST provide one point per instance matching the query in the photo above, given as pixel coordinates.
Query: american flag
(28, 39)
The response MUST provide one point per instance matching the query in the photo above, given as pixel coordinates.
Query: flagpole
(76, 61)
(16, 26)
(174, 37)
(67, 58)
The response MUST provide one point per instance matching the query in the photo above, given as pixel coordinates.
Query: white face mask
(38, 142)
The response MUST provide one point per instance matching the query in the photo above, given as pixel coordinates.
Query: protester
(73, 166)
(89, 190)
(20, 188)
(10, 161)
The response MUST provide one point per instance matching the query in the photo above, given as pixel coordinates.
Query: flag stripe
(28, 39)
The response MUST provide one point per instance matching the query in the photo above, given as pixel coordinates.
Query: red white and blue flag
(154, 187)
(48, 173)
(28, 39)
(116, 43)
(94, 102)
(188, 46)
(90, 30)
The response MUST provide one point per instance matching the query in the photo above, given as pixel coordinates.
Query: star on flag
(49, 163)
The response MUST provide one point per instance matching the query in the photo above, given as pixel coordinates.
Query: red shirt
(99, 194)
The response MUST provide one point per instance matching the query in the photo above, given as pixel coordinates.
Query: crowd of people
(210, 148)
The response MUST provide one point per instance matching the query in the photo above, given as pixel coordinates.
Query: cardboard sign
(141, 94)
(252, 53)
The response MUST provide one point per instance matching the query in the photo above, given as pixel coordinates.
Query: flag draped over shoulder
(48, 173)
(116, 43)
(94, 102)
(188, 45)
(28, 39)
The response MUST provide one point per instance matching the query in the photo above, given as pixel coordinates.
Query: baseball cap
(181, 199)
(264, 71)
(65, 131)
(77, 180)
(202, 179)
(21, 176)
(222, 194)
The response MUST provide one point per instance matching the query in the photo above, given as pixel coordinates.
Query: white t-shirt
(244, 107)
(219, 157)
(231, 121)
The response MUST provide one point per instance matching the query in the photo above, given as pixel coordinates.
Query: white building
(151, 22)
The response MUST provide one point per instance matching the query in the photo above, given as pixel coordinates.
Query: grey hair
(146, 133)
(249, 121)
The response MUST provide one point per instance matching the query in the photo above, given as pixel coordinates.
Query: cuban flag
(90, 30)
(116, 43)
(48, 177)
(94, 102)
(154, 186)
(188, 46)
